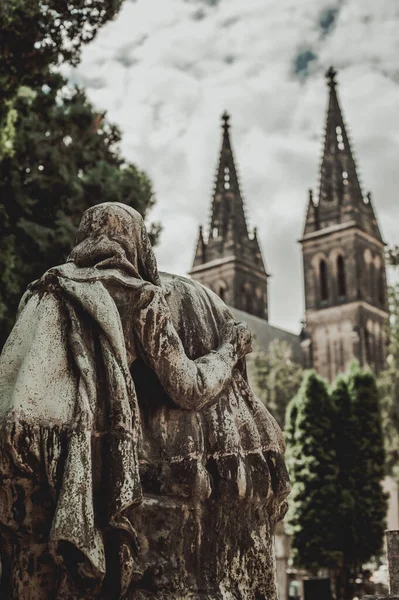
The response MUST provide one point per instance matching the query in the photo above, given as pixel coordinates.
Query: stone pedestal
(190, 551)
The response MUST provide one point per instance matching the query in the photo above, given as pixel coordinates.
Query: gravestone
(317, 589)
(392, 537)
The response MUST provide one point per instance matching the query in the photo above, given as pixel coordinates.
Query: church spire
(338, 176)
(340, 199)
(228, 259)
(227, 213)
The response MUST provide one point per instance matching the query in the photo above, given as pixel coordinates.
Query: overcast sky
(166, 69)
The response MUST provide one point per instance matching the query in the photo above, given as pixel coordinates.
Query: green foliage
(392, 255)
(345, 440)
(388, 384)
(293, 450)
(276, 377)
(335, 456)
(65, 159)
(368, 472)
(312, 464)
(36, 34)
(7, 130)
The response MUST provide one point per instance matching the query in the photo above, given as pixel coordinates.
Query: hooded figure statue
(125, 413)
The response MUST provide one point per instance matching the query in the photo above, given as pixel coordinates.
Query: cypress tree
(345, 443)
(368, 472)
(388, 386)
(312, 464)
(292, 448)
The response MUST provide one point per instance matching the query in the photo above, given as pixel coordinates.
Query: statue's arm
(192, 384)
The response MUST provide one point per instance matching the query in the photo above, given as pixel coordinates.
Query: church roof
(265, 333)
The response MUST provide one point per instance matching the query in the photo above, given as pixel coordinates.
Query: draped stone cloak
(68, 405)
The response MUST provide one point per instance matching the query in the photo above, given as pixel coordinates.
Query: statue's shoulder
(172, 283)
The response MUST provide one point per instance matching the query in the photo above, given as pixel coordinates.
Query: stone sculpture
(135, 460)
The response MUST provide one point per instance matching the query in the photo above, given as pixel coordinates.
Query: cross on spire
(330, 75)
(226, 119)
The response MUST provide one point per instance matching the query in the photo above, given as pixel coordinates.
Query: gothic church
(343, 259)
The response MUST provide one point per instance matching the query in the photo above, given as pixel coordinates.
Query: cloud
(165, 71)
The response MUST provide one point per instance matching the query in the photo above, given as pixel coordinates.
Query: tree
(371, 501)
(276, 377)
(37, 34)
(392, 255)
(335, 456)
(312, 464)
(65, 159)
(345, 444)
(388, 385)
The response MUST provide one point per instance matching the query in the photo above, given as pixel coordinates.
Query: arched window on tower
(341, 279)
(221, 289)
(247, 298)
(323, 275)
(259, 307)
(367, 342)
(248, 302)
(226, 178)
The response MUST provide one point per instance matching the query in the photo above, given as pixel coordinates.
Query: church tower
(229, 260)
(343, 259)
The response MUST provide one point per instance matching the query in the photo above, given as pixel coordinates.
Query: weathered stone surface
(380, 597)
(135, 460)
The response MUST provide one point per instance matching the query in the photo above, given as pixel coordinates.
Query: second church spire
(227, 211)
(228, 260)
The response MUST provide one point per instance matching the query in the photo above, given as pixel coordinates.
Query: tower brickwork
(229, 260)
(343, 260)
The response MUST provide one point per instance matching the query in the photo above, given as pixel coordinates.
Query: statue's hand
(244, 339)
(238, 335)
